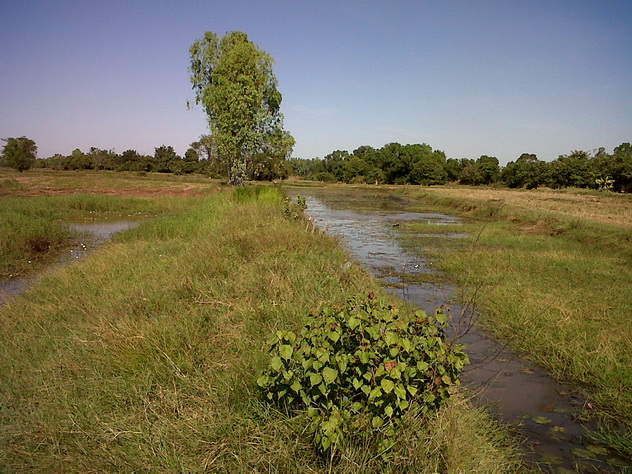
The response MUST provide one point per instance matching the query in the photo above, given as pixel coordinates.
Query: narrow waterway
(91, 234)
(534, 404)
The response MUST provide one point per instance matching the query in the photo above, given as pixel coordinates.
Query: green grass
(27, 235)
(558, 288)
(144, 355)
(33, 231)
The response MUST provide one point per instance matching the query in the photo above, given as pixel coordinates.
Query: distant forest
(420, 164)
(392, 164)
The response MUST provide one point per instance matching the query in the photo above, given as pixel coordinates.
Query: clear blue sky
(467, 77)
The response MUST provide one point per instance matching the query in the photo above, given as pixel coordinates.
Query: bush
(359, 366)
(325, 176)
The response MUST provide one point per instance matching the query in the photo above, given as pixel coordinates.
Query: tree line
(420, 164)
(201, 157)
(392, 164)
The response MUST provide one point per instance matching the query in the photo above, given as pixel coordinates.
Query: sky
(499, 78)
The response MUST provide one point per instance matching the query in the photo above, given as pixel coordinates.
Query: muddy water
(92, 234)
(535, 405)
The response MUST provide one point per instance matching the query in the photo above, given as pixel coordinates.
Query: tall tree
(19, 153)
(233, 80)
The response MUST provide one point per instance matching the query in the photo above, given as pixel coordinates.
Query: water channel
(529, 401)
(90, 235)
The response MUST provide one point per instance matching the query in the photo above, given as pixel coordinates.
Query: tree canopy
(19, 153)
(233, 80)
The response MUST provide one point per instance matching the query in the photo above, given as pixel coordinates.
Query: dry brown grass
(46, 182)
(599, 207)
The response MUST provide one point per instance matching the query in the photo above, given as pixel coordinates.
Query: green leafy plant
(294, 210)
(362, 365)
(605, 184)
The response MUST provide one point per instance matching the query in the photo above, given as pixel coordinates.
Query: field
(45, 182)
(603, 207)
(144, 355)
(35, 207)
(551, 271)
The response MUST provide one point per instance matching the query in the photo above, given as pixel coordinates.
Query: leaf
(262, 381)
(390, 365)
(389, 411)
(558, 433)
(422, 366)
(406, 344)
(286, 351)
(391, 338)
(333, 335)
(315, 379)
(551, 459)
(583, 453)
(412, 390)
(324, 356)
(387, 385)
(363, 356)
(593, 448)
(330, 375)
(541, 420)
(342, 362)
(296, 386)
(375, 393)
(377, 422)
(353, 323)
(356, 383)
(276, 363)
(400, 391)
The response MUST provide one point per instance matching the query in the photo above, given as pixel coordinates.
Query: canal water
(91, 234)
(529, 401)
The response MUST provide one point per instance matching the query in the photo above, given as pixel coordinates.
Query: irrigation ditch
(531, 403)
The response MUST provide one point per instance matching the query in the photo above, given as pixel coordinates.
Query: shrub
(294, 210)
(359, 366)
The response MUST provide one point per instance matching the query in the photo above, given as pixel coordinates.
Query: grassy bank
(144, 356)
(554, 282)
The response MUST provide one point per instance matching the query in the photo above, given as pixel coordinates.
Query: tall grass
(144, 356)
(27, 235)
